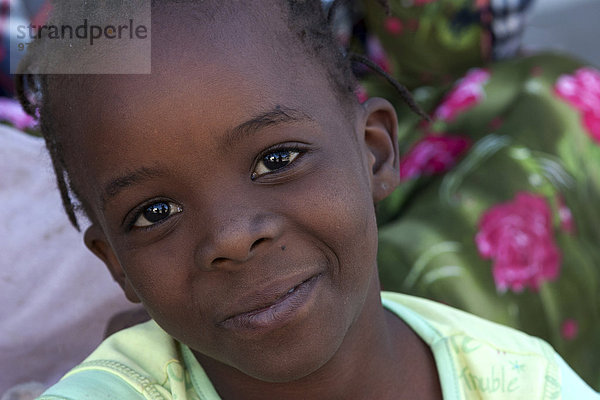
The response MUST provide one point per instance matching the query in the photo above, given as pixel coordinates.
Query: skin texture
(234, 243)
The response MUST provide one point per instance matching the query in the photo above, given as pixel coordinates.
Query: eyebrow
(115, 186)
(278, 115)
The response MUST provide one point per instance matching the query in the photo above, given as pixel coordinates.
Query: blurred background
(571, 26)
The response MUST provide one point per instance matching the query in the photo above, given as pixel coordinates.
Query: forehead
(232, 53)
(211, 70)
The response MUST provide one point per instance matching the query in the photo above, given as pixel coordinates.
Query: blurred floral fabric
(498, 209)
(440, 39)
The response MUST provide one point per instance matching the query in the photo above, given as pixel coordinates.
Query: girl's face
(232, 195)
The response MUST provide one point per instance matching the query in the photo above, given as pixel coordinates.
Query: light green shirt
(476, 359)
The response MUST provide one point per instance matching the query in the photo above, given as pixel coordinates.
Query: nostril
(245, 255)
(219, 260)
(256, 243)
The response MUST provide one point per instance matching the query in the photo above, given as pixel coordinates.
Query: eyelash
(138, 211)
(281, 148)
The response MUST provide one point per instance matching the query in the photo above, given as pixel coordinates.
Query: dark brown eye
(274, 161)
(156, 212)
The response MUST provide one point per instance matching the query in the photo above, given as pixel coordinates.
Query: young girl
(232, 192)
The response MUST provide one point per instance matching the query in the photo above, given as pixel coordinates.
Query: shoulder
(477, 358)
(438, 321)
(123, 367)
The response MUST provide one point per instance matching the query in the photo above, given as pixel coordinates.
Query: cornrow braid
(403, 91)
(22, 83)
(307, 18)
(62, 180)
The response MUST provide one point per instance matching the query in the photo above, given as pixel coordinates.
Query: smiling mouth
(277, 313)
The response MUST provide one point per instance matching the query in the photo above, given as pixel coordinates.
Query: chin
(290, 361)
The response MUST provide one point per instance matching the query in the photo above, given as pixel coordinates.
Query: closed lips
(276, 309)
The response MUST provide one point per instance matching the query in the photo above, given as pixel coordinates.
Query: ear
(96, 241)
(381, 139)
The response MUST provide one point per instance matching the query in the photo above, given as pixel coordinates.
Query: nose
(233, 237)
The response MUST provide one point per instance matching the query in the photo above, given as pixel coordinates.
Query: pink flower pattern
(377, 54)
(565, 216)
(569, 329)
(393, 26)
(582, 91)
(467, 93)
(433, 154)
(11, 111)
(519, 238)
(361, 93)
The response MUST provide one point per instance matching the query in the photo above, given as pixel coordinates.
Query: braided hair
(308, 19)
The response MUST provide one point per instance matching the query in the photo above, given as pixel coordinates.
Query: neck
(376, 360)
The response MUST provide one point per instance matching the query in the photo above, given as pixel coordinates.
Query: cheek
(173, 299)
(159, 274)
(338, 209)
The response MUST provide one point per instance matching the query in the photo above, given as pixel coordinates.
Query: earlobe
(381, 139)
(95, 240)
